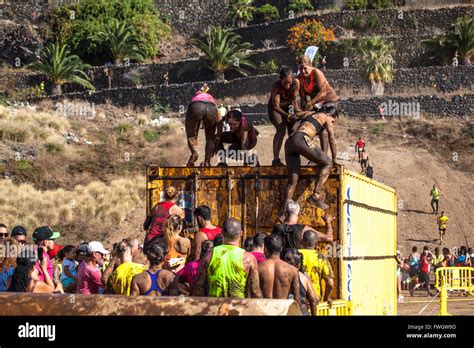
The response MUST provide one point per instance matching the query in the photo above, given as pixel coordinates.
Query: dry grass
(27, 125)
(96, 205)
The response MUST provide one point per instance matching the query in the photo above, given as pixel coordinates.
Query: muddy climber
(301, 143)
(203, 108)
(282, 108)
(242, 137)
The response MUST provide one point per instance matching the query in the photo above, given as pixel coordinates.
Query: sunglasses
(4, 235)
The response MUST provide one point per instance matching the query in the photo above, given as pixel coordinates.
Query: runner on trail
(282, 106)
(359, 147)
(442, 223)
(435, 194)
(228, 270)
(277, 278)
(242, 137)
(155, 222)
(300, 144)
(203, 108)
(424, 273)
(156, 281)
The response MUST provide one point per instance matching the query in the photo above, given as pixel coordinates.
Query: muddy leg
(192, 130)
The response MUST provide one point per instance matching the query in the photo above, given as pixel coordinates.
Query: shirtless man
(202, 108)
(282, 106)
(364, 161)
(316, 92)
(277, 278)
(242, 136)
(292, 232)
(228, 270)
(300, 144)
(156, 281)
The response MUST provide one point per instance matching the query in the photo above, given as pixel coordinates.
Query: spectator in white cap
(88, 276)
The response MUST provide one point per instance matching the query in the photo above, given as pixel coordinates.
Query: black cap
(44, 233)
(18, 231)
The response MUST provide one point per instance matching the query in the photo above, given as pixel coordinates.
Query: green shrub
(373, 22)
(362, 22)
(299, 6)
(124, 127)
(93, 16)
(157, 107)
(377, 128)
(357, 22)
(269, 67)
(23, 165)
(54, 148)
(268, 13)
(355, 5)
(379, 4)
(152, 135)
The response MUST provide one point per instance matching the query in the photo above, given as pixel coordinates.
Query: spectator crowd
(176, 260)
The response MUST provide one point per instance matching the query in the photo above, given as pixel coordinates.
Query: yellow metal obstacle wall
(368, 234)
(255, 197)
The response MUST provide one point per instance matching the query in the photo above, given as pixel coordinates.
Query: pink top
(190, 273)
(259, 256)
(49, 267)
(204, 97)
(88, 279)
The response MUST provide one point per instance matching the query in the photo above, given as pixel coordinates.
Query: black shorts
(424, 277)
(442, 230)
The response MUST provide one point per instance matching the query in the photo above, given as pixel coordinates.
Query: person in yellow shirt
(316, 266)
(442, 222)
(437, 259)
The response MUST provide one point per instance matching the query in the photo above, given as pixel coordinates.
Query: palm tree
(462, 39)
(223, 52)
(60, 66)
(241, 12)
(121, 42)
(439, 49)
(376, 63)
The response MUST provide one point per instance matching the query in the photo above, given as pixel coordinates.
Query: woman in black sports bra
(301, 143)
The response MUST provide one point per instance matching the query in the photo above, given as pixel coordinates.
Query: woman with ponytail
(25, 277)
(155, 222)
(178, 247)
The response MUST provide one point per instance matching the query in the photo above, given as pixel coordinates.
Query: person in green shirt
(228, 270)
(435, 193)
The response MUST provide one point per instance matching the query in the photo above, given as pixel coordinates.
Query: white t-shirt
(72, 268)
